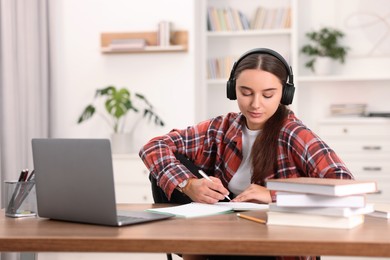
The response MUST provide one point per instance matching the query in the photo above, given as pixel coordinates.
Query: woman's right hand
(205, 191)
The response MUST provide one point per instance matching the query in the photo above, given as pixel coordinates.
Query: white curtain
(24, 82)
(24, 87)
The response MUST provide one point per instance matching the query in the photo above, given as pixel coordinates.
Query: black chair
(177, 197)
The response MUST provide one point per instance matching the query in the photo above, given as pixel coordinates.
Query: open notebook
(195, 209)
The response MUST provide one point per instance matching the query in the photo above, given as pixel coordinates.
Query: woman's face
(258, 96)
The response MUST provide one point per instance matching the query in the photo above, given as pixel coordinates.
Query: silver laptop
(75, 182)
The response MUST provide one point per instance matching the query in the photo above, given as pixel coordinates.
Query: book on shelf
(294, 199)
(323, 186)
(125, 44)
(164, 33)
(219, 68)
(326, 211)
(195, 209)
(226, 19)
(244, 21)
(310, 220)
(239, 26)
(348, 109)
(271, 18)
(128, 41)
(381, 210)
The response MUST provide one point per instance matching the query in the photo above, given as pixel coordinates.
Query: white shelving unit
(218, 44)
(359, 80)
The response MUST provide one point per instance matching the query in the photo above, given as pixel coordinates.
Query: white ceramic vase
(323, 66)
(122, 143)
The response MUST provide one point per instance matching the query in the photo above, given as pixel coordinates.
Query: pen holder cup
(20, 198)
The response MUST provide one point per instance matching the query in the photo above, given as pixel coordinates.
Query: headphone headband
(288, 87)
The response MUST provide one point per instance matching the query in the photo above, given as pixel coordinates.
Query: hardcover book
(381, 210)
(293, 199)
(324, 186)
(306, 220)
(326, 211)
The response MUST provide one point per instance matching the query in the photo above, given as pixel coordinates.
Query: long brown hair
(265, 148)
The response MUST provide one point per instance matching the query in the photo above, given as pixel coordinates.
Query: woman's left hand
(254, 193)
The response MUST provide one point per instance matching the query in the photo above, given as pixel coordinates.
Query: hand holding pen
(204, 175)
(205, 190)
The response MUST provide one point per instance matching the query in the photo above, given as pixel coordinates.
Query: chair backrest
(177, 197)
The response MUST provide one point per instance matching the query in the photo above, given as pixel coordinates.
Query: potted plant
(118, 103)
(324, 44)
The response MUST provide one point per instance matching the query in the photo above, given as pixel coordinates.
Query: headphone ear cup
(288, 94)
(231, 89)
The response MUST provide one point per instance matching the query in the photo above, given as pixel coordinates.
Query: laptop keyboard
(128, 218)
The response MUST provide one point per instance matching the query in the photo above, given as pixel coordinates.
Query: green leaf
(118, 103)
(105, 91)
(87, 113)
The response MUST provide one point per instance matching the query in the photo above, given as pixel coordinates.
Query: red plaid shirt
(215, 146)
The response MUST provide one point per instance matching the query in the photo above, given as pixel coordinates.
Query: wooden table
(221, 234)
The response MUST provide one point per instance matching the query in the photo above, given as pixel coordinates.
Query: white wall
(79, 68)
(169, 80)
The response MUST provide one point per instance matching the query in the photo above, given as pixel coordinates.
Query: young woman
(240, 151)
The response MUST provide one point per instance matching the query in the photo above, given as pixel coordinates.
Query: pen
(31, 177)
(18, 191)
(23, 175)
(258, 220)
(204, 175)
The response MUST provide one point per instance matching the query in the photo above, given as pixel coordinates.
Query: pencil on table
(251, 218)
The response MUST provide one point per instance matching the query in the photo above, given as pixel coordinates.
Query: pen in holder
(20, 198)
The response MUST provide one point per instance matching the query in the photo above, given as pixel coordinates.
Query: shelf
(270, 32)
(342, 78)
(354, 119)
(179, 41)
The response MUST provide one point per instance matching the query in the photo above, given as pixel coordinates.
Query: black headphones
(288, 87)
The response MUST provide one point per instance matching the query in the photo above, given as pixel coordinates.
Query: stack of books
(348, 109)
(319, 202)
(226, 19)
(272, 18)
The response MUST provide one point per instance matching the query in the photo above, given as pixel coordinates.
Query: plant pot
(122, 143)
(323, 66)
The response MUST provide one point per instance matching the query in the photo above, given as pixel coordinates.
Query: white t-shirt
(242, 178)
